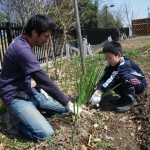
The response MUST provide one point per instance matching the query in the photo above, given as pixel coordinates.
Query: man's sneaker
(10, 123)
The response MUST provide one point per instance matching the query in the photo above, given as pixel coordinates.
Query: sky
(138, 8)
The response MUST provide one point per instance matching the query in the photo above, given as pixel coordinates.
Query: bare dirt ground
(98, 129)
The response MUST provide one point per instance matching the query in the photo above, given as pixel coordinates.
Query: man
(122, 75)
(20, 65)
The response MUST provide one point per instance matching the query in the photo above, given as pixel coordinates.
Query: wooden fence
(141, 27)
(98, 35)
(9, 31)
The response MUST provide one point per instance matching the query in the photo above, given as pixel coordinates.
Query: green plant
(132, 54)
(98, 122)
(109, 91)
(85, 85)
(87, 82)
(102, 145)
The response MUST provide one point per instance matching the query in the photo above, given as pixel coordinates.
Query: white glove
(44, 93)
(73, 108)
(95, 99)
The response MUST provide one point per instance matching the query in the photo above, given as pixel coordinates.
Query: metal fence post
(84, 47)
(67, 51)
(9, 32)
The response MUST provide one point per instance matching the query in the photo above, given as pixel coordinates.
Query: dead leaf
(123, 119)
(108, 137)
(132, 134)
(97, 140)
(95, 125)
(139, 127)
(90, 137)
(83, 147)
(105, 127)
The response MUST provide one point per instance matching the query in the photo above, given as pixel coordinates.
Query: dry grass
(135, 43)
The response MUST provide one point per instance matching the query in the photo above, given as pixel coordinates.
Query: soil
(106, 130)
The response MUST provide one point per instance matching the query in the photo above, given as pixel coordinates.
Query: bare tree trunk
(62, 51)
(53, 56)
(64, 40)
(46, 59)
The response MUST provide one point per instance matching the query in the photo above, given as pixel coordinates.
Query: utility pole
(107, 14)
(79, 35)
(148, 12)
(106, 18)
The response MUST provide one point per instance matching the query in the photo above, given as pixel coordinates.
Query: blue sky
(138, 8)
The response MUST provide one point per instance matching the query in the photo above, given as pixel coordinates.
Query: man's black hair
(41, 23)
(112, 47)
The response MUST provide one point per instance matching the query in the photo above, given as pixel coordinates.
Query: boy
(122, 73)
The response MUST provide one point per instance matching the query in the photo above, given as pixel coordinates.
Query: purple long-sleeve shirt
(20, 64)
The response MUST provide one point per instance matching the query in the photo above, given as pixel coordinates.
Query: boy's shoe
(125, 106)
(128, 100)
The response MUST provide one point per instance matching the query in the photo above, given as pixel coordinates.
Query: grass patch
(103, 145)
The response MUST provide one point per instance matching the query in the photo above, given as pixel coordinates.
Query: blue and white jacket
(114, 74)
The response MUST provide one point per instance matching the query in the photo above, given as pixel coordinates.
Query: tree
(89, 15)
(128, 18)
(20, 10)
(106, 18)
(63, 15)
(4, 17)
(123, 12)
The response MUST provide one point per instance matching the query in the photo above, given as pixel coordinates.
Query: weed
(102, 145)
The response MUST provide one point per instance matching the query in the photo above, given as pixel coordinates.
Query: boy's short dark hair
(112, 47)
(41, 23)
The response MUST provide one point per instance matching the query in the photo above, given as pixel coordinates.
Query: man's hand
(95, 99)
(33, 83)
(73, 108)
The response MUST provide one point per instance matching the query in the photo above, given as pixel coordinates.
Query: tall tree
(20, 10)
(89, 15)
(106, 18)
(62, 12)
(4, 17)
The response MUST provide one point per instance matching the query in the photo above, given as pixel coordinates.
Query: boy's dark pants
(130, 85)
